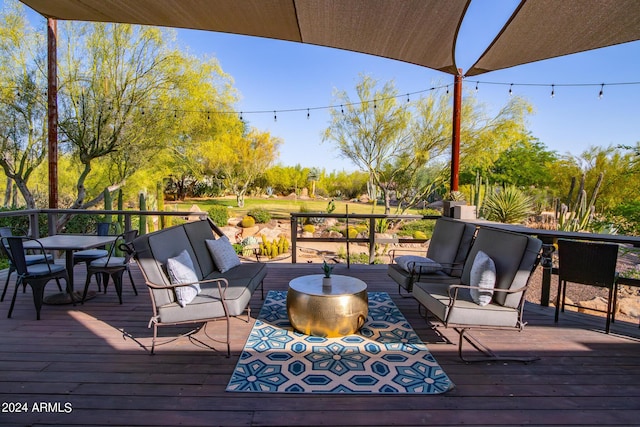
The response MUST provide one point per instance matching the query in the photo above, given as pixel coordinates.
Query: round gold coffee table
(324, 311)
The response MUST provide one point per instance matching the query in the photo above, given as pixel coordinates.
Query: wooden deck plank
(81, 356)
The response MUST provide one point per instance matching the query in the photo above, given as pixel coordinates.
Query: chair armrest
(453, 290)
(222, 280)
(392, 253)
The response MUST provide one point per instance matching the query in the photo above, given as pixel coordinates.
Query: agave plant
(509, 205)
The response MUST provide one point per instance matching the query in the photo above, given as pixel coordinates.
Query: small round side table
(333, 310)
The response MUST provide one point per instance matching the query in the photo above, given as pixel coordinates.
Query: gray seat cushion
(435, 297)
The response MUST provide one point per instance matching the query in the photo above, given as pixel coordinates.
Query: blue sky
(277, 75)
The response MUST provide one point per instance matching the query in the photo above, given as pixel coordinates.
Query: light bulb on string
(408, 100)
(208, 116)
(308, 114)
(374, 104)
(275, 117)
(553, 91)
(342, 109)
(241, 116)
(477, 87)
(601, 91)
(511, 89)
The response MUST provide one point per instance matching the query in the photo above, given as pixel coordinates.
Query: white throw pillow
(181, 270)
(483, 275)
(418, 263)
(223, 254)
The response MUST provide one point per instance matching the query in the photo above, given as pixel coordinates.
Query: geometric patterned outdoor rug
(385, 356)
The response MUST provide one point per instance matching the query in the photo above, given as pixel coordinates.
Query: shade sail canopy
(542, 29)
(421, 32)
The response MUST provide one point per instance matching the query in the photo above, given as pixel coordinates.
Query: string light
(365, 103)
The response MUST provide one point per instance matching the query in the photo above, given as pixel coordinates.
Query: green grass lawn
(281, 208)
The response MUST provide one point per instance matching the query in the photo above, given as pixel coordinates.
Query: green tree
(372, 131)
(484, 138)
(242, 158)
(111, 76)
(525, 163)
(23, 132)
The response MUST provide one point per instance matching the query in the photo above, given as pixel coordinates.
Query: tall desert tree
(242, 158)
(484, 137)
(22, 103)
(371, 131)
(110, 79)
(202, 100)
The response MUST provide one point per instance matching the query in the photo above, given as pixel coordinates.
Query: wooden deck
(78, 367)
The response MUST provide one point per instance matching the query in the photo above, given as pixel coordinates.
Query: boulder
(270, 233)
(597, 303)
(232, 233)
(250, 231)
(629, 306)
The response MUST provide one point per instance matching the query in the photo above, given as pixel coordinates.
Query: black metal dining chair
(30, 259)
(587, 263)
(112, 266)
(87, 256)
(36, 275)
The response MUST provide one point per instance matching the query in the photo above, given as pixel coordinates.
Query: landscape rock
(232, 233)
(250, 231)
(270, 233)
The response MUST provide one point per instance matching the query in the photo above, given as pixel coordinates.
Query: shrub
(508, 205)
(309, 228)
(362, 258)
(247, 222)
(423, 225)
(261, 215)
(219, 215)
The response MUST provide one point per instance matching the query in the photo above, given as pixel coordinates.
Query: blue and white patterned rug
(386, 356)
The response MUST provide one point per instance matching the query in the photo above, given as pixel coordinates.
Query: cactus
(273, 248)
(479, 191)
(160, 199)
(108, 205)
(578, 216)
(143, 218)
(247, 221)
(120, 208)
